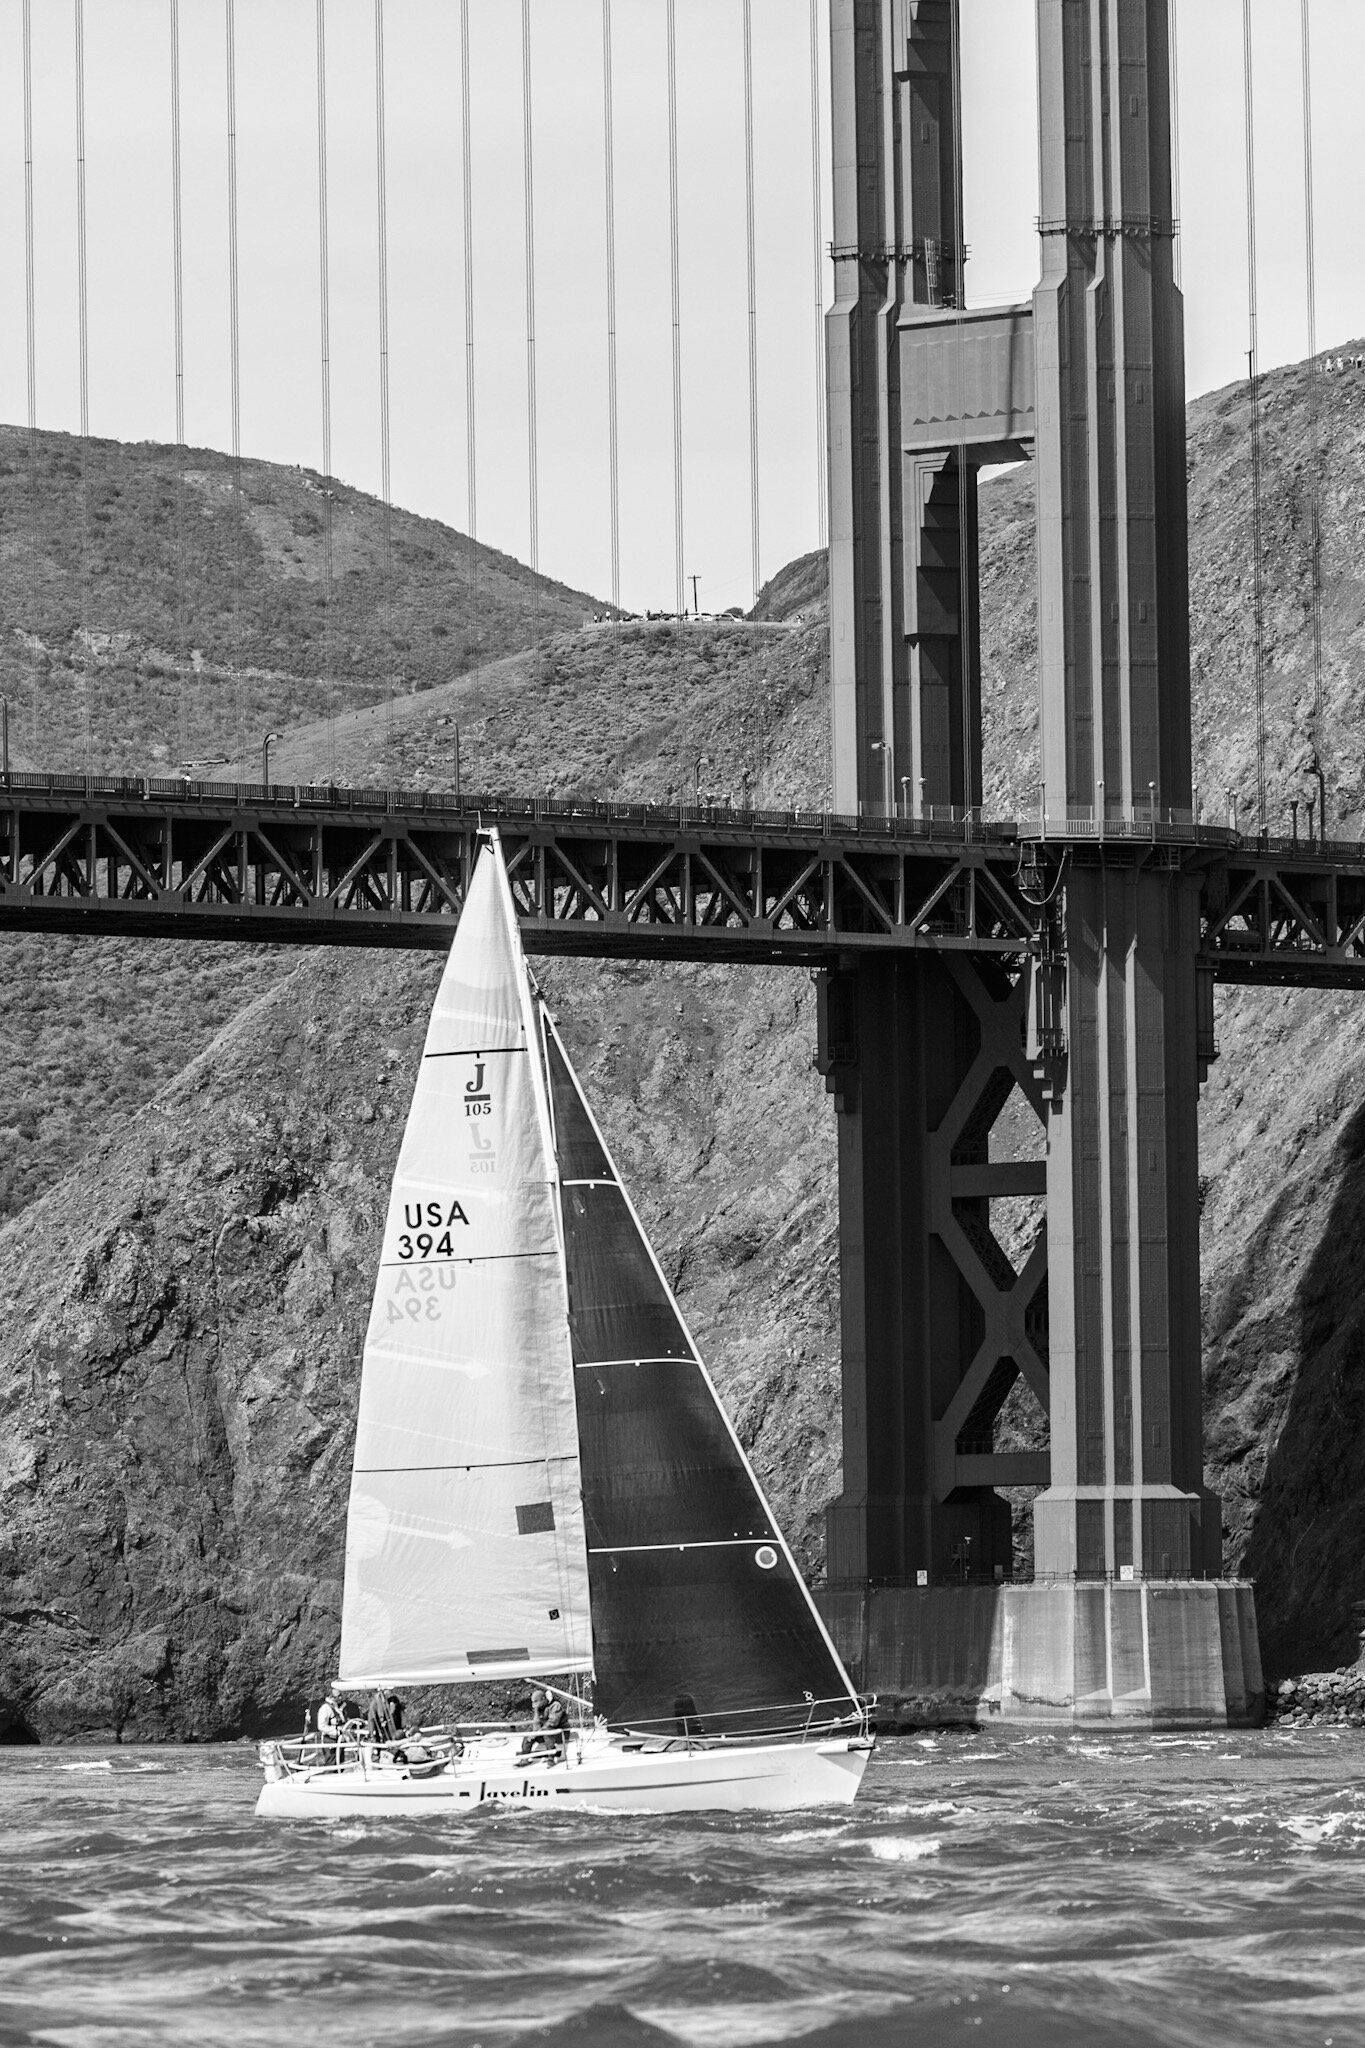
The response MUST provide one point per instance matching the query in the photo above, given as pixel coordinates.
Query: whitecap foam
(1310, 1831)
(901, 1849)
(103, 1765)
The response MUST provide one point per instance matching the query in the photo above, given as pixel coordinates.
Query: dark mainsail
(701, 1622)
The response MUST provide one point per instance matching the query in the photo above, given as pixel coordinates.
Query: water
(1052, 1889)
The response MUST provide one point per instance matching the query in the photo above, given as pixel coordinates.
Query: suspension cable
(382, 212)
(1253, 365)
(529, 224)
(675, 280)
(235, 371)
(178, 290)
(613, 445)
(752, 262)
(1310, 261)
(31, 364)
(818, 274)
(83, 331)
(325, 342)
(1172, 17)
(467, 195)
(965, 563)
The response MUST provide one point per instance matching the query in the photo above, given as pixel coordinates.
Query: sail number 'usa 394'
(428, 1233)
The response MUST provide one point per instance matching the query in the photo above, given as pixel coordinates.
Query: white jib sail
(465, 1552)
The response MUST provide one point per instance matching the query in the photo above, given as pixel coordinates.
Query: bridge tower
(1123, 1617)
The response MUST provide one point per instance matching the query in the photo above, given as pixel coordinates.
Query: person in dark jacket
(549, 1726)
(379, 1721)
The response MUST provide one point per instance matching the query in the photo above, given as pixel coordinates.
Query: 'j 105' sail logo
(483, 1159)
(477, 1100)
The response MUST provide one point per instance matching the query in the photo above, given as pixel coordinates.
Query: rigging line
(468, 199)
(818, 271)
(529, 224)
(178, 290)
(752, 261)
(965, 565)
(82, 300)
(235, 373)
(382, 211)
(31, 365)
(1253, 367)
(325, 343)
(1310, 261)
(676, 291)
(613, 445)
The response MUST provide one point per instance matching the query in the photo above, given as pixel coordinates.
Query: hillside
(147, 622)
(194, 1142)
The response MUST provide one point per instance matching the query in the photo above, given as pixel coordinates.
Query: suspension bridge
(1069, 952)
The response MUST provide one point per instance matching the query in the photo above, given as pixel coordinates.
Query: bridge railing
(940, 823)
(957, 826)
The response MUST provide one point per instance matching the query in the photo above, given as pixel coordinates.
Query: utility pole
(695, 611)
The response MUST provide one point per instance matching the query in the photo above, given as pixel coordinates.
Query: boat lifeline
(545, 1483)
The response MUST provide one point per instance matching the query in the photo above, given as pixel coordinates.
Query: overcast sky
(132, 391)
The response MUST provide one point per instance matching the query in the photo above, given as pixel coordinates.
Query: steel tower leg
(1122, 1619)
(1127, 1500)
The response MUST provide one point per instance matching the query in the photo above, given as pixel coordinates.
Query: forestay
(464, 1545)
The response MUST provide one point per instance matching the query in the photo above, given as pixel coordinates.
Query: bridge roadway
(165, 858)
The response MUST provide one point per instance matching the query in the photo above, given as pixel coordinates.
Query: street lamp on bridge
(265, 756)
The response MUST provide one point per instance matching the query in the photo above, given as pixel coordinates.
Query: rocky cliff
(195, 1142)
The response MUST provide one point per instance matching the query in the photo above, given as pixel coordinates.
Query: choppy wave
(1063, 1891)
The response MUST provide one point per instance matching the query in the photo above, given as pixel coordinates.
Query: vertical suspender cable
(965, 562)
(1172, 27)
(325, 344)
(178, 290)
(31, 364)
(467, 195)
(675, 280)
(83, 332)
(752, 261)
(382, 210)
(818, 273)
(613, 445)
(1253, 364)
(235, 373)
(529, 223)
(1310, 260)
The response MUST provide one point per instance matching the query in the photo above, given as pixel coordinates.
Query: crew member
(549, 1726)
(329, 1725)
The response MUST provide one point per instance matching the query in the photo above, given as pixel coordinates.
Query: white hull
(772, 1777)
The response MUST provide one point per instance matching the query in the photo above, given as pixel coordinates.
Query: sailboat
(545, 1484)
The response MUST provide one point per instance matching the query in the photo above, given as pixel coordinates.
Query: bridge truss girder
(98, 856)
